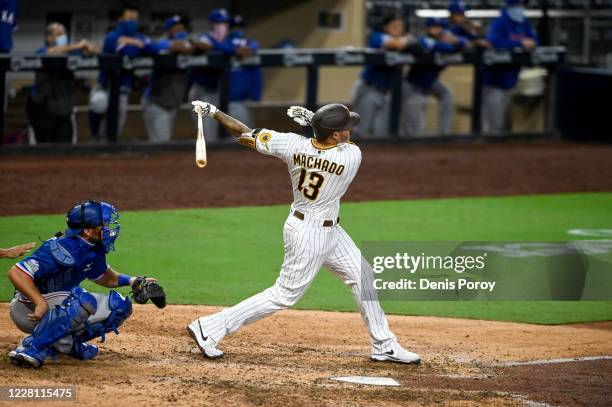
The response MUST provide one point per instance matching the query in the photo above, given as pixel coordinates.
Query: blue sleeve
(376, 40)
(254, 45)
(226, 47)
(499, 36)
(150, 48)
(431, 45)
(530, 33)
(41, 50)
(110, 43)
(99, 267)
(40, 263)
(158, 47)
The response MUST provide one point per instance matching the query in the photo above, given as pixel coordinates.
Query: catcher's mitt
(143, 290)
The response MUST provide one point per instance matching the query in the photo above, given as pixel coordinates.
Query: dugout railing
(310, 60)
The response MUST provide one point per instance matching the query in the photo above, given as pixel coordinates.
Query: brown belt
(326, 223)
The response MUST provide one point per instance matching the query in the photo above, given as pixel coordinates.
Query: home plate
(375, 381)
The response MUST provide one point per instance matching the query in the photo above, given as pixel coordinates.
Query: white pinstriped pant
(308, 246)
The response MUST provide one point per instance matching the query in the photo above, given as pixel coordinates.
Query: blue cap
(219, 15)
(434, 21)
(457, 7)
(511, 3)
(172, 21)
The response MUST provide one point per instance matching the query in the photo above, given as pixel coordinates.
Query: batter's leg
(305, 250)
(346, 263)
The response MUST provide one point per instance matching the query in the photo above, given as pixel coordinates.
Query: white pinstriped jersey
(319, 177)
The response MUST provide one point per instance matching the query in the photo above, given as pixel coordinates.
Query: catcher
(49, 305)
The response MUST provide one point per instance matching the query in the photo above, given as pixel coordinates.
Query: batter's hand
(16, 251)
(204, 108)
(300, 115)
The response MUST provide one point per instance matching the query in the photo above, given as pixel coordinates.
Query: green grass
(222, 255)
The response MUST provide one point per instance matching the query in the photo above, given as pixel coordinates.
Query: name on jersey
(309, 161)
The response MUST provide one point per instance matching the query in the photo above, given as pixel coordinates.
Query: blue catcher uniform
(8, 23)
(57, 268)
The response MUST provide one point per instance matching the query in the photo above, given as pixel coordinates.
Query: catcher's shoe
(398, 355)
(29, 357)
(204, 342)
(12, 355)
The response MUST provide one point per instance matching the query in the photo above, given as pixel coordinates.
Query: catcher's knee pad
(120, 309)
(64, 319)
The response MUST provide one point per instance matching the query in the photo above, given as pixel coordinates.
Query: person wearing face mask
(369, 97)
(125, 40)
(167, 88)
(509, 31)
(246, 82)
(460, 26)
(51, 103)
(205, 81)
(423, 81)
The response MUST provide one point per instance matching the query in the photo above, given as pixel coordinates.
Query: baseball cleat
(204, 342)
(23, 359)
(397, 355)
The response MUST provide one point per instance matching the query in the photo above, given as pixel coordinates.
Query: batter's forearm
(235, 127)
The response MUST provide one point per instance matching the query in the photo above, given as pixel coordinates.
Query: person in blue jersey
(167, 89)
(246, 82)
(510, 31)
(125, 40)
(461, 26)
(206, 81)
(50, 306)
(8, 24)
(370, 94)
(424, 81)
(50, 106)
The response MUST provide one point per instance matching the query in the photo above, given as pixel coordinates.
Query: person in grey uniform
(167, 88)
(205, 81)
(370, 93)
(423, 81)
(511, 30)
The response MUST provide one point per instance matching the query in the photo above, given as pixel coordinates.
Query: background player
(50, 305)
(321, 170)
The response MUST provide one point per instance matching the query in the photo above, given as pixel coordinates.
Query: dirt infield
(51, 184)
(290, 358)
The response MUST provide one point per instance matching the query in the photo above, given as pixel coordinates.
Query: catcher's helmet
(333, 117)
(90, 214)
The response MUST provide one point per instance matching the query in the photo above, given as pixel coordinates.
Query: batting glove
(204, 108)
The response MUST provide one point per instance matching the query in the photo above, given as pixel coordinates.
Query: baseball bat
(200, 145)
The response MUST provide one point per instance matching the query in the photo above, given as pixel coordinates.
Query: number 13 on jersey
(311, 189)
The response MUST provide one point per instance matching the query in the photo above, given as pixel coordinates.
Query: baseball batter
(321, 170)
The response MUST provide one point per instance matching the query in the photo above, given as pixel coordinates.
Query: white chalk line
(553, 361)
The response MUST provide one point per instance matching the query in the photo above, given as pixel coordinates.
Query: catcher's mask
(331, 118)
(91, 214)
